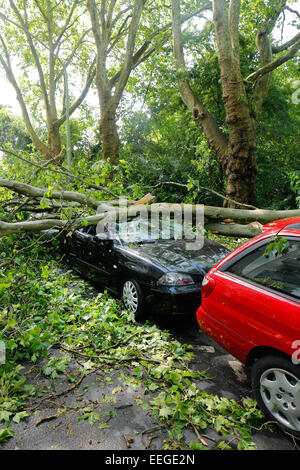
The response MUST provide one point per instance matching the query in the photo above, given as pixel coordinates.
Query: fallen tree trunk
(34, 192)
(7, 228)
(108, 212)
(235, 230)
(225, 221)
(71, 196)
(211, 213)
(243, 215)
(237, 215)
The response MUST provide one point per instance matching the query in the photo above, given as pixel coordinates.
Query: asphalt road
(57, 423)
(228, 375)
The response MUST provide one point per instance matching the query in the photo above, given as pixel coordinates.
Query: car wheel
(133, 299)
(276, 385)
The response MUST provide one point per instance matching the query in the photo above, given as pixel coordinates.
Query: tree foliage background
(156, 138)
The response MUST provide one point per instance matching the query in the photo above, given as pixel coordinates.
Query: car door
(257, 297)
(77, 248)
(100, 260)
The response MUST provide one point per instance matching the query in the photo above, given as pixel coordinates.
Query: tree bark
(213, 214)
(201, 116)
(54, 142)
(109, 133)
(235, 230)
(240, 167)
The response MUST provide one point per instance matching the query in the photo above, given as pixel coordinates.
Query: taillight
(208, 285)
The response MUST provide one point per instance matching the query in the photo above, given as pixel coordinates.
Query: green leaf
(5, 416)
(6, 434)
(21, 415)
(165, 412)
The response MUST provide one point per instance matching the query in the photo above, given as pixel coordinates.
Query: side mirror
(102, 237)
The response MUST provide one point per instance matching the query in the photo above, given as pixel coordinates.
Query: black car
(160, 274)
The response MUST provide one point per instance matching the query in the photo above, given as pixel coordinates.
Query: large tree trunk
(110, 91)
(240, 166)
(54, 143)
(241, 179)
(236, 154)
(109, 134)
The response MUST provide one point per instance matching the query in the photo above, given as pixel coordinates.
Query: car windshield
(147, 231)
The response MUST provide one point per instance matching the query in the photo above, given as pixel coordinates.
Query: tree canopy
(188, 92)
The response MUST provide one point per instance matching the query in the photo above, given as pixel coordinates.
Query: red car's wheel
(276, 385)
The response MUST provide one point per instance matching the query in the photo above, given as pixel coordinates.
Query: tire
(276, 386)
(133, 299)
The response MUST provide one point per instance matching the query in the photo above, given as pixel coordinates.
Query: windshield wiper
(141, 242)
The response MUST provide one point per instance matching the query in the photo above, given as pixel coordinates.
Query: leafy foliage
(12, 130)
(60, 310)
(295, 186)
(276, 246)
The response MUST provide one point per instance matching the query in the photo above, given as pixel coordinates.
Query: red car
(251, 307)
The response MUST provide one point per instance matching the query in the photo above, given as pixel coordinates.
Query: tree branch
(144, 52)
(89, 80)
(72, 54)
(6, 64)
(285, 46)
(41, 9)
(201, 116)
(275, 64)
(25, 29)
(64, 28)
(32, 191)
(128, 59)
(234, 21)
(263, 44)
(293, 11)
(101, 72)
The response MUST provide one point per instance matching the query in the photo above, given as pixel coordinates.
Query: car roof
(290, 224)
(284, 227)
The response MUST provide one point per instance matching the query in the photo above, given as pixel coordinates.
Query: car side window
(83, 229)
(92, 230)
(89, 230)
(279, 272)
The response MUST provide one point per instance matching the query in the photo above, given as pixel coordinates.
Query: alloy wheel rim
(280, 392)
(130, 296)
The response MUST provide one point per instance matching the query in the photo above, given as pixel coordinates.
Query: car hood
(173, 255)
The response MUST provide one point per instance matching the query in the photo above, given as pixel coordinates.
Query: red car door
(255, 301)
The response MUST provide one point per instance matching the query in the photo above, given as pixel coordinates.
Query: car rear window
(280, 272)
